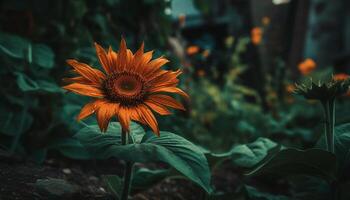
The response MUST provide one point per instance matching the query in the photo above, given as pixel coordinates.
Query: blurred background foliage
(240, 60)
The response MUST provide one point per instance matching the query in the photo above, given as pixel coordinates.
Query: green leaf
(313, 162)
(254, 194)
(215, 159)
(170, 148)
(43, 56)
(248, 155)
(114, 184)
(25, 83)
(71, 148)
(342, 145)
(49, 86)
(145, 178)
(13, 46)
(137, 133)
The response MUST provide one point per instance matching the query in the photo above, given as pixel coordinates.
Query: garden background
(240, 61)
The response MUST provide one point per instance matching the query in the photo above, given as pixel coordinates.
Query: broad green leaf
(18, 47)
(215, 159)
(248, 155)
(25, 83)
(137, 133)
(48, 86)
(145, 178)
(312, 162)
(13, 46)
(170, 148)
(43, 56)
(342, 145)
(254, 194)
(114, 184)
(86, 53)
(71, 148)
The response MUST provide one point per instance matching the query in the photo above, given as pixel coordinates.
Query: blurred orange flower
(206, 53)
(340, 77)
(256, 35)
(191, 50)
(201, 73)
(182, 20)
(307, 66)
(290, 88)
(265, 21)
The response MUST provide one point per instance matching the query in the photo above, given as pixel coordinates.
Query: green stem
(329, 112)
(127, 171)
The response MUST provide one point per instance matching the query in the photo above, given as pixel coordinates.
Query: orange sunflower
(132, 86)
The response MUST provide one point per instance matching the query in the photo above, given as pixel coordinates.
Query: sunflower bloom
(130, 88)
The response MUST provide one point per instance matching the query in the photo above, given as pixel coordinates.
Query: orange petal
(82, 89)
(113, 59)
(124, 118)
(159, 108)
(129, 59)
(86, 71)
(167, 79)
(89, 109)
(136, 115)
(122, 55)
(78, 79)
(149, 118)
(171, 90)
(146, 57)
(138, 57)
(104, 114)
(103, 58)
(156, 64)
(166, 101)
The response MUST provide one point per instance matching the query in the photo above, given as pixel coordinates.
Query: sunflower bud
(323, 91)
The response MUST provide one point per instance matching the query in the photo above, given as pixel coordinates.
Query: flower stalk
(326, 93)
(329, 115)
(127, 171)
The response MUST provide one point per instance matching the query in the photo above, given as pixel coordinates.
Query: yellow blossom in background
(191, 50)
(266, 20)
(229, 41)
(307, 66)
(256, 35)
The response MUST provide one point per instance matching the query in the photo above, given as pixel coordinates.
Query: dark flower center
(125, 88)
